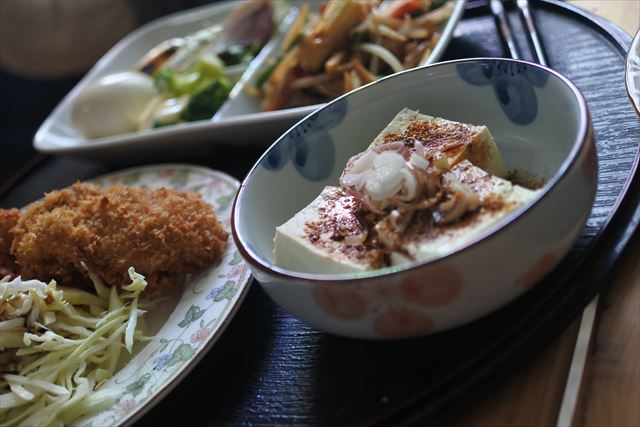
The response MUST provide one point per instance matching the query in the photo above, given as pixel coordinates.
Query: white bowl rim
(585, 136)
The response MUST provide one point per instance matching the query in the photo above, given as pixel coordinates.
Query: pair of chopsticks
(583, 341)
(497, 9)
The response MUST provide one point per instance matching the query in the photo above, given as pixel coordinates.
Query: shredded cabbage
(67, 343)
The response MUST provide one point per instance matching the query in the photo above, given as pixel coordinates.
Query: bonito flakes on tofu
(424, 188)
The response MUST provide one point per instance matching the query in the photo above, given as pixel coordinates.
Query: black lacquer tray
(269, 368)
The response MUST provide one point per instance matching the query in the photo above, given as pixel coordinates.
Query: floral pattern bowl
(186, 328)
(542, 127)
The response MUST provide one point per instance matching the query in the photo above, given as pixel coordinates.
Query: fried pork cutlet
(162, 233)
(8, 219)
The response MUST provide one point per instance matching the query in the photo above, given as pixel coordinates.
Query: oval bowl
(541, 125)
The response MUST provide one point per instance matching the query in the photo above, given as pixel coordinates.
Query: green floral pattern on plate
(207, 301)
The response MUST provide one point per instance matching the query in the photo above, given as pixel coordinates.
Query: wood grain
(625, 13)
(611, 388)
(530, 398)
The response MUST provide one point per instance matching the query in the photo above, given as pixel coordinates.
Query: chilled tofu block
(325, 237)
(424, 188)
(498, 197)
(458, 141)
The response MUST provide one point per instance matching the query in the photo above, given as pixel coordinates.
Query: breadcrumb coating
(162, 233)
(8, 219)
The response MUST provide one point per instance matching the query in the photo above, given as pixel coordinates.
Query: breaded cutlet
(162, 233)
(8, 219)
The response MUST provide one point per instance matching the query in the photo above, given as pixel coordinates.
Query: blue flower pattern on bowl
(513, 85)
(309, 145)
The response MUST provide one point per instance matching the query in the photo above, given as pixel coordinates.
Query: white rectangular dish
(239, 121)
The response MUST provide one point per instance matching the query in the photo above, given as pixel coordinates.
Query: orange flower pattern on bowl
(398, 309)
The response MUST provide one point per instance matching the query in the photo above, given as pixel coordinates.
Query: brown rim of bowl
(585, 136)
(635, 44)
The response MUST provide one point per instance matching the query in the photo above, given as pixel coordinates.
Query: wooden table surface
(589, 375)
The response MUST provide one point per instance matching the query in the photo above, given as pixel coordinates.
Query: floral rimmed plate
(633, 72)
(197, 318)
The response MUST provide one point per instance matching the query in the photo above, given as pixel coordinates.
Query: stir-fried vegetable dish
(182, 79)
(347, 44)
(192, 73)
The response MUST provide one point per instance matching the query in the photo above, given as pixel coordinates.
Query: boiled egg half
(113, 104)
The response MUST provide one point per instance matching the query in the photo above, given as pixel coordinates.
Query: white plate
(208, 302)
(633, 72)
(239, 121)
